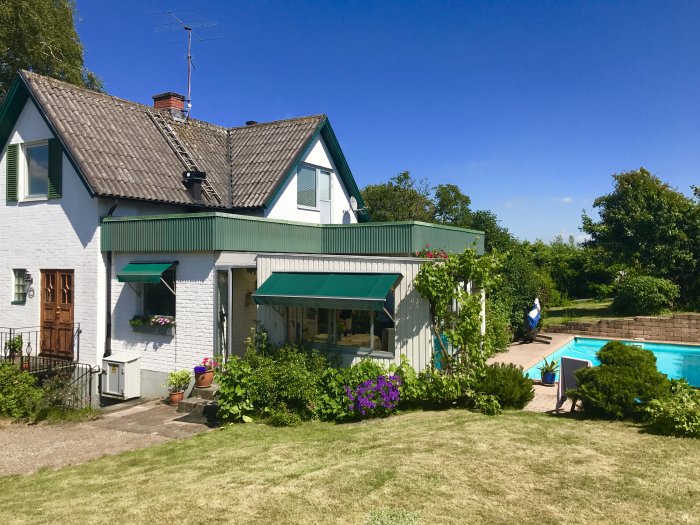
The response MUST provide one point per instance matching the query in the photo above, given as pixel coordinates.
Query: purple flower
(200, 369)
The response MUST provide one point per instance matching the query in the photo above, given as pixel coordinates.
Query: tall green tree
(401, 199)
(650, 228)
(40, 35)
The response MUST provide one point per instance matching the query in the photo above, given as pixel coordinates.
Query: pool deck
(529, 354)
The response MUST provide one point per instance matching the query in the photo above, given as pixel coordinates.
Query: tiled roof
(121, 152)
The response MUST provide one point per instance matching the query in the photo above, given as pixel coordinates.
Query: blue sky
(528, 106)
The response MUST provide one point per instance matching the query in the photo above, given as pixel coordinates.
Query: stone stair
(201, 402)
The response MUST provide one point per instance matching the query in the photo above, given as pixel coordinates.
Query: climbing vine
(456, 313)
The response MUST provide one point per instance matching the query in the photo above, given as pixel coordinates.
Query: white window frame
(24, 175)
(318, 169)
(19, 273)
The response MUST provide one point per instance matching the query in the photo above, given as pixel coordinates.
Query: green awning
(142, 272)
(343, 291)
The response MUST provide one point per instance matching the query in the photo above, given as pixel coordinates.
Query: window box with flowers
(153, 324)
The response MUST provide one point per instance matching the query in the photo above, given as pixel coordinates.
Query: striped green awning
(135, 272)
(343, 291)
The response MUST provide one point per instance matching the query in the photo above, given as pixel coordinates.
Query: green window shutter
(306, 186)
(55, 169)
(11, 183)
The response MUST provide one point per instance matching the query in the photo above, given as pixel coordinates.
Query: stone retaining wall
(678, 327)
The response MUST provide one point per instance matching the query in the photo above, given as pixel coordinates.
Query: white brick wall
(194, 311)
(57, 234)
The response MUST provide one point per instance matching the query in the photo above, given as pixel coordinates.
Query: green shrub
(281, 417)
(235, 380)
(289, 378)
(487, 404)
(677, 414)
(645, 295)
(624, 383)
(20, 393)
(334, 404)
(499, 333)
(508, 384)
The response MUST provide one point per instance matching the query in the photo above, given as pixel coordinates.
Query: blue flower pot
(549, 378)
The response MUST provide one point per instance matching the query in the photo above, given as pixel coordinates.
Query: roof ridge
(248, 126)
(106, 95)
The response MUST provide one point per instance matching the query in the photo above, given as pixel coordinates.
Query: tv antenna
(180, 24)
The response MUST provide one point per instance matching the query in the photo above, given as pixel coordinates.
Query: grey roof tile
(121, 152)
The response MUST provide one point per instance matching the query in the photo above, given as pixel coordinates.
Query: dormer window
(37, 170)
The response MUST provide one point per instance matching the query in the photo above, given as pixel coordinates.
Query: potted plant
(177, 383)
(13, 346)
(548, 372)
(204, 373)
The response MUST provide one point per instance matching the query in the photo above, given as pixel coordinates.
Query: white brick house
(95, 189)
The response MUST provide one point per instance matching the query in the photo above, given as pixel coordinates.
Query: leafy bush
(335, 404)
(235, 380)
(283, 418)
(677, 414)
(20, 393)
(645, 295)
(287, 379)
(508, 384)
(624, 383)
(178, 380)
(499, 333)
(487, 404)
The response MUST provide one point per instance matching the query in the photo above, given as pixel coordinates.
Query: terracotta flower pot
(204, 380)
(176, 397)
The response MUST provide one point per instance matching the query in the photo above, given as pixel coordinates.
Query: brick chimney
(169, 100)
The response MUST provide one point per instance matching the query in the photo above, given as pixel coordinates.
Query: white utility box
(121, 377)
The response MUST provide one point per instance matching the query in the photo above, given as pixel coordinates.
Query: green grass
(586, 311)
(424, 467)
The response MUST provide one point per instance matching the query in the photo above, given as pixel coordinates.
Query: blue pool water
(676, 361)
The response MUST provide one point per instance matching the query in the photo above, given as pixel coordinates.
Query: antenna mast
(180, 24)
(188, 102)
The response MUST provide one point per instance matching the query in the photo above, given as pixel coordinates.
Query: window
(158, 298)
(37, 181)
(20, 288)
(324, 183)
(345, 328)
(306, 186)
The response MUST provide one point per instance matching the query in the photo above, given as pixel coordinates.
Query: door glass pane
(50, 288)
(38, 170)
(325, 185)
(222, 311)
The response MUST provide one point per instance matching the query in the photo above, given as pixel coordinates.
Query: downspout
(108, 295)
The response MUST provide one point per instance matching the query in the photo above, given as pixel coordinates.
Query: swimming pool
(676, 361)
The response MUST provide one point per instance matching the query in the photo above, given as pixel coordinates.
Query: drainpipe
(108, 298)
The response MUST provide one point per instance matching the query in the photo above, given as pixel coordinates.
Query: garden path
(27, 448)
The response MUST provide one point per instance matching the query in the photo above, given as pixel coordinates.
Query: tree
(400, 199)
(498, 238)
(650, 228)
(451, 206)
(40, 36)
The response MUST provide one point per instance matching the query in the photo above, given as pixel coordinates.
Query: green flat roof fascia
(142, 272)
(216, 231)
(361, 291)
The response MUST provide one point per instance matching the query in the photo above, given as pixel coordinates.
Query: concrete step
(205, 393)
(197, 406)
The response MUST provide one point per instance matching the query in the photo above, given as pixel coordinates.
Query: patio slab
(529, 354)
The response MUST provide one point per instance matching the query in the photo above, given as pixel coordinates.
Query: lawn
(586, 311)
(440, 467)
